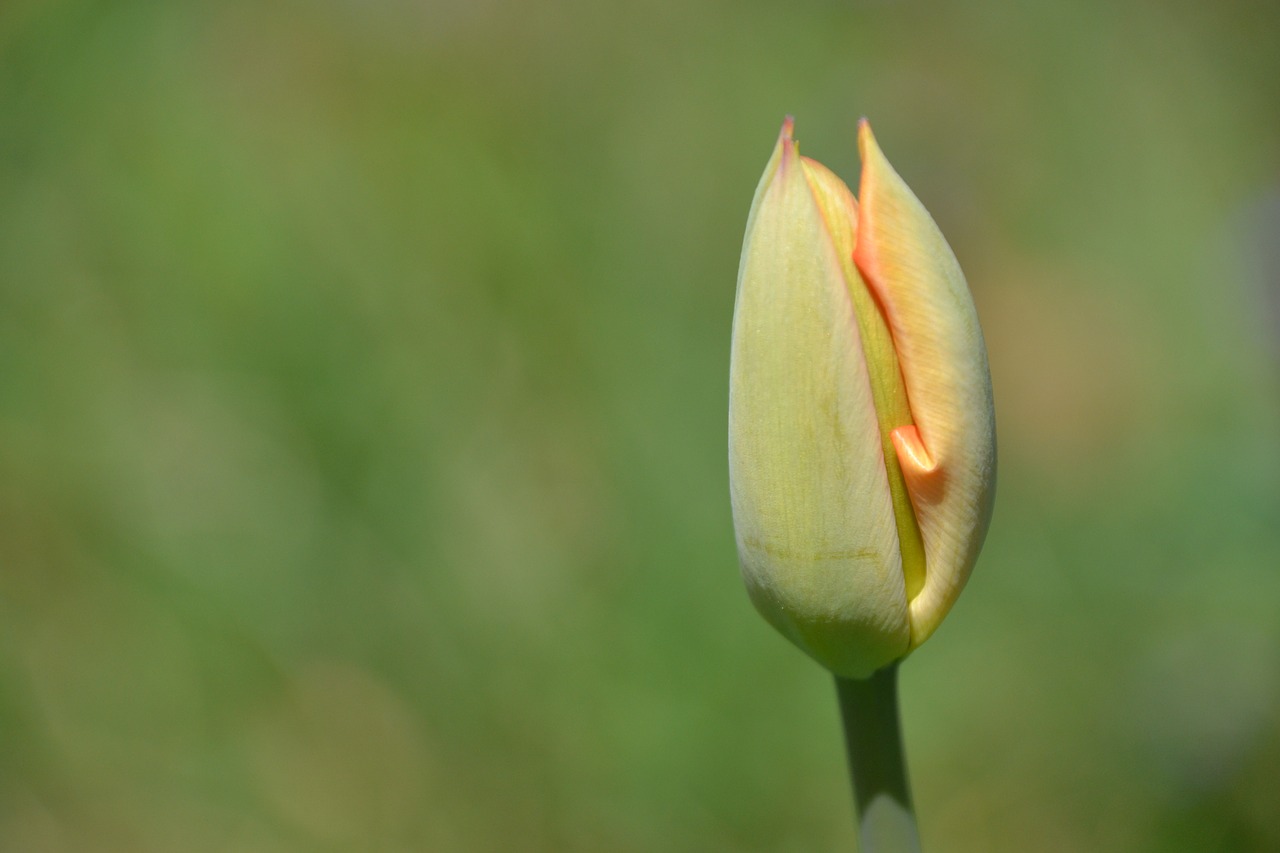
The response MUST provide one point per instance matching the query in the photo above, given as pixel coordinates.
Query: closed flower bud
(861, 429)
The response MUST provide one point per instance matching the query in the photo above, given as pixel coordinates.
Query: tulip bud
(861, 429)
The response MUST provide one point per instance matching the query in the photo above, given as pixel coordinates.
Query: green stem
(873, 740)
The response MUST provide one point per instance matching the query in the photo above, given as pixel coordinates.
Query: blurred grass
(362, 411)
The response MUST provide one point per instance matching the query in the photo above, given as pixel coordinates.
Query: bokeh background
(362, 423)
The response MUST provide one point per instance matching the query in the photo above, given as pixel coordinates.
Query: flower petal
(840, 213)
(948, 458)
(812, 509)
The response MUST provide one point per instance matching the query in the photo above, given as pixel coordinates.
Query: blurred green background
(363, 377)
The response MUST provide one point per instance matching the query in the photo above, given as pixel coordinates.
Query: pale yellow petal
(811, 503)
(840, 213)
(948, 458)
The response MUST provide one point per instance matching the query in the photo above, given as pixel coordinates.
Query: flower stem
(877, 765)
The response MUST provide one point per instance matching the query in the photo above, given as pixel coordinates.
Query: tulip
(861, 428)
